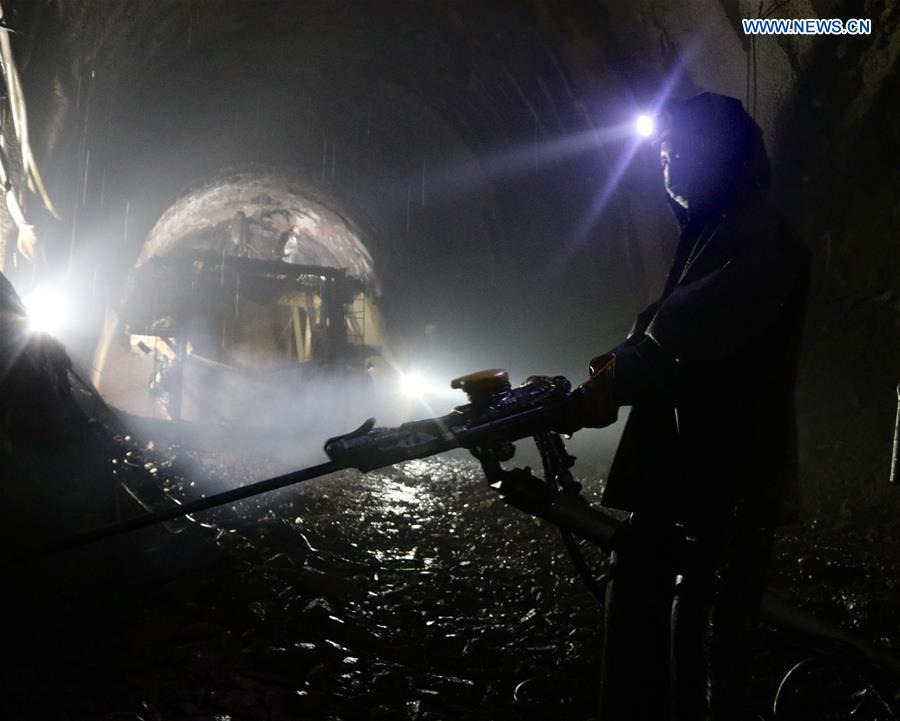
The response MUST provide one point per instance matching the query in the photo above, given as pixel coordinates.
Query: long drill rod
(168, 514)
(895, 456)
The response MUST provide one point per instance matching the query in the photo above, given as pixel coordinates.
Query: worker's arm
(710, 319)
(706, 320)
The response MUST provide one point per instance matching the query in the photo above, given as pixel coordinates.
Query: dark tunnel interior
(373, 198)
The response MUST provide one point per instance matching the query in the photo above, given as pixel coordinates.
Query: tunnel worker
(708, 452)
(291, 242)
(240, 233)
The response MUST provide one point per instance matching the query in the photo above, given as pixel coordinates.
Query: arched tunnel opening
(233, 231)
(252, 300)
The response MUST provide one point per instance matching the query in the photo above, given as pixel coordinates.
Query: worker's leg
(734, 614)
(714, 613)
(635, 684)
(689, 642)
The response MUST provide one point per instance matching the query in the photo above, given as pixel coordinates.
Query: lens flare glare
(414, 385)
(47, 311)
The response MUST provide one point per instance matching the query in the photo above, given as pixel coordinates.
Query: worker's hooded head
(712, 153)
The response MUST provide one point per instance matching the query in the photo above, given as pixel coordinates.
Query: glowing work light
(413, 385)
(46, 310)
(644, 125)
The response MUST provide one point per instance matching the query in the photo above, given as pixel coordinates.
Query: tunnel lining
(196, 219)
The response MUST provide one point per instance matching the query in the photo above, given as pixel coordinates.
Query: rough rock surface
(413, 593)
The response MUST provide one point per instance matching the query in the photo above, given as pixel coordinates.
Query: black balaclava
(717, 154)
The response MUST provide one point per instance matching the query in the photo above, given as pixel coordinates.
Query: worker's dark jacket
(709, 370)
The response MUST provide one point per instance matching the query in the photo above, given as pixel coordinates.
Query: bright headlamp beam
(644, 125)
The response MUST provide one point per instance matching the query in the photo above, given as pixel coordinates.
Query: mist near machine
(249, 331)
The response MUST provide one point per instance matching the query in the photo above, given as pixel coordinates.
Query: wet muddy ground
(412, 593)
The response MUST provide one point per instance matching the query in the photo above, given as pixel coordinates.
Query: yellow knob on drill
(482, 385)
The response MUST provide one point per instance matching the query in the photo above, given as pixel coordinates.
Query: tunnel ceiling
(201, 219)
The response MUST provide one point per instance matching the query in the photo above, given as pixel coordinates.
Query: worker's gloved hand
(593, 403)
